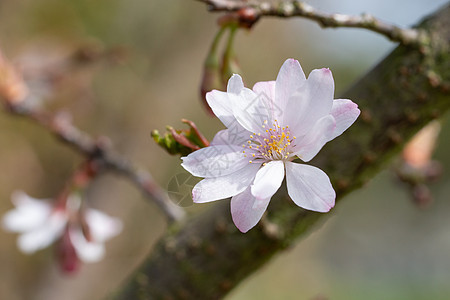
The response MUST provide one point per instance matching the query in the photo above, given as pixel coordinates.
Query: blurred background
(145, 74)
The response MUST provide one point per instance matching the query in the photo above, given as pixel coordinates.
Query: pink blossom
(267, 128)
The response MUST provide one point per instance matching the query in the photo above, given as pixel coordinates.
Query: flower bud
(230, 64)
(67, 256)
(211, 74)
(182, 141)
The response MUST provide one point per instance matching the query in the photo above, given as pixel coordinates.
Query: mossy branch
(206, 256)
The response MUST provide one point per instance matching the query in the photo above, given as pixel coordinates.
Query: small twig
(93, 149)
(105, 156)
(295, 8)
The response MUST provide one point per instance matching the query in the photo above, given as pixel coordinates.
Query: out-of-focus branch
(14, 94)
(252, 10)
(208, 256)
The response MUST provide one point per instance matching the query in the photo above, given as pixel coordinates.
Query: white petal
(244, 212)
(266, 91)
(308, 146)
(265, 87)
(20, 198)
(86, 251)
(320, 85)
(268, 180)
(221, 103)
(214, 161)
(251, 109)
(235, 84)
(28, 214)
(102, 227)
(310, 103)
(221, 138)
(309, 187)
(290, 78)
(345, 112)
(221, 106)
(44, 235)
(234, 135)
(211, 189)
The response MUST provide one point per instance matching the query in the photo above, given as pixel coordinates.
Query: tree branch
(253, 10)
(207, 256)
(14, 92)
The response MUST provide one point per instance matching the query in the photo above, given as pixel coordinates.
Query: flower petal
(251, 110)
(221, 138)
(308, 146)
(243, 211)
(290, 78)
(28, 214)
(221, 106)
(44, 235)
(214, 161)
(220, 102)
(265, 87)
(268, 180)
(266, 92)
(310, 103)
(234, 135)
(101, 226)
(345, 112)
(86, 251)
(235, 84)
(21, 199)
(211, 189)
(309, 187)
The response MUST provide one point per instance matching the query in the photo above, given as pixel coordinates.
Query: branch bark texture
(250, 11)
(206, 256)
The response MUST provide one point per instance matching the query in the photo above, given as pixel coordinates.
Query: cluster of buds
(183, 141)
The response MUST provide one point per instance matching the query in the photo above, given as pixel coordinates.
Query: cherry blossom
(267, 128)
(81, 233)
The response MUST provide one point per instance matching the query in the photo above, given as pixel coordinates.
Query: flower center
(272, 143)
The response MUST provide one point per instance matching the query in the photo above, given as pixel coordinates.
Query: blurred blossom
(80, 233)
(267, 128)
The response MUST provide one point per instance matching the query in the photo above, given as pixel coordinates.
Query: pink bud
(67, 256)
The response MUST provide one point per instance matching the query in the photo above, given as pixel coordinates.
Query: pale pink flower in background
(267, 128)
(81, 232)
